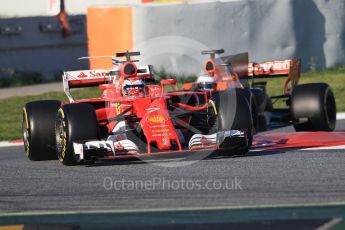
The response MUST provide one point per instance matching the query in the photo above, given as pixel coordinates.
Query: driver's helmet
(206, 83)
(133, 87)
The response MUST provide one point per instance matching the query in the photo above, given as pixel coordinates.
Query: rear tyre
(234, 113)
(315, 103)
(38, 129)
(74, 123)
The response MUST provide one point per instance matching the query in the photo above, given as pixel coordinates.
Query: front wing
(109, 149)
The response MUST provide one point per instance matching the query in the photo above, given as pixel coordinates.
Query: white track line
(339, 147)
(325, 148)
(10, 143)
(329, 224)
(341, 116)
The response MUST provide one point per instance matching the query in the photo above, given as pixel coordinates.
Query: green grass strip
(11, 108)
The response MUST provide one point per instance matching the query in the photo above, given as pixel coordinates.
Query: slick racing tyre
(74, 123)
(38, 129)
(257, 99)
(316, 104)
(234, 113)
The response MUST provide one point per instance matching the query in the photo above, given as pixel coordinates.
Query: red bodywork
(149, 109)
(228, 77)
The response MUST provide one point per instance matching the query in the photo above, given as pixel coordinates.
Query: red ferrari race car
(308, 107)
(137, 116)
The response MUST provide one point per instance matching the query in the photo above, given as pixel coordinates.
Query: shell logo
(156, 119)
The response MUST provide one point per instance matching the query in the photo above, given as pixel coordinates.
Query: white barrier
(312, 30)
(172, 35)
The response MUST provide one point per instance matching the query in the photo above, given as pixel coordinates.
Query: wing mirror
(167, 82)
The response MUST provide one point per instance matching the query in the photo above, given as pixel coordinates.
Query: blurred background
(42, 38)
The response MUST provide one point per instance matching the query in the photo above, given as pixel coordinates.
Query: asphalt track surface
(30, 90)
(263, 178)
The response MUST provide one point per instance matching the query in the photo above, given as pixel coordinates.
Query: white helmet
(133, 88)
(206, 82)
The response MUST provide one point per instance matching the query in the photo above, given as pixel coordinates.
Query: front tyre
(38, 129)
(74, 123)
(234, 113)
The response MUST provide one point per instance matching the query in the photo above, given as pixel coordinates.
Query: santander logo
(93, 74)
(82, 75)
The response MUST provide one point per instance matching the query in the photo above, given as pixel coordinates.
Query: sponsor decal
(119, 146)
(158, 126)
(118, 107)
(98, 74)
(92, 74)
(156, 119)
(165, 141)
(150, 110)
(82, 75)
(161, 134)
(160, 130)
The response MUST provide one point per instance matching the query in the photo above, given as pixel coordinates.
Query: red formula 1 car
(136, 116)
(308, 107)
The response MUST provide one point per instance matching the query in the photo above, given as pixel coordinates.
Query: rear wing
(93, 78)
(287, 68)
(84, 78)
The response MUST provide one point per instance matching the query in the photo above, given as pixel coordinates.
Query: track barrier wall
(36, 44)
(171, 35)
(312, 30)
